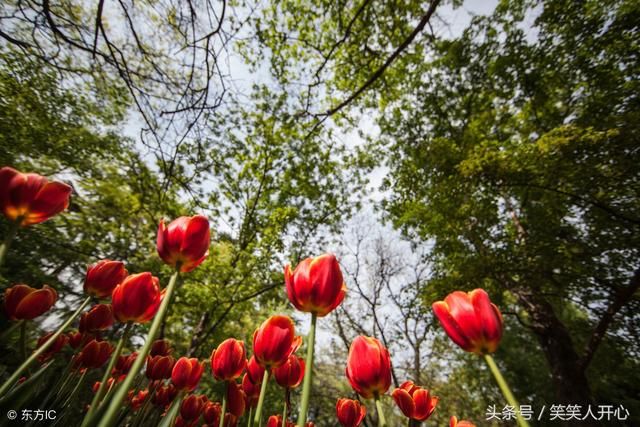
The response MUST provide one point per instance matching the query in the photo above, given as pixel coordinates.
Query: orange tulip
(453, 422)
(274, 341)
(291, 373)
(22, 302)
(29, 198)
(103, 276)
(368, 367)
(470, 320)
(137, 298)
(159, 367)
(184, 241)
(350, 412)
(98, 318)
(57, 345)
(228, 360)
(186, 373)
(415, 402)
(316, 285)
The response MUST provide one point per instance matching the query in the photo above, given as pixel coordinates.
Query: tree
(514, 153)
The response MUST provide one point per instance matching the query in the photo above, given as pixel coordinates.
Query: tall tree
(515, 151)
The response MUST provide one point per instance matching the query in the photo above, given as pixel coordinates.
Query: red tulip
(276, 421)
(165, 395)
(22, 302)
(316, 285)
(415, 402)
(291, 373)
(255, 371)
(470, 320)
(160, 348)
(94, 354)
(75, 339)
(192, 407)
(54, 348)
(236, 399)
(98, 318)
(228, 360)
(96, 385)
(103, 276)
(159, 367)
(137, 298)
(29, 198)
(186, 373)
(274, 341)
(184, 241)
(368, 367)
(350, 412)
(211, 413)
(137, 399)
(453, 422)
(123, 365)
(251, 391)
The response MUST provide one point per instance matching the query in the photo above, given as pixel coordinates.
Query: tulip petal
(451, 327)
(404, 402)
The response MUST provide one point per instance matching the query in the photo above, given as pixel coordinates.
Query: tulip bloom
(236, 399)
(251, 390)
(159, 367)
(211, 413)
(164, 395)
(98, 318)
(29, 198)
(368, 367)
(192, 407)
(228, 360)
(160, 348)
(291, 373)
(22, 302)
(350, 412)
(137, 399)
(185, 241)
(255, 371)
(276, 421)
(137, 298)
(186, 373)
(57, 345)
(316, 285)
(94, 354)
(470, 320)
(103, 276)
(415, 402)
(274, 341)
(453, 422)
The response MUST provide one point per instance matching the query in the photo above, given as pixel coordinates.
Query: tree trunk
(569, 379)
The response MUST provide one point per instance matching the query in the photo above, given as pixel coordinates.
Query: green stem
(306, 385)
(224, 405)
(23, 341)
(11, 233)
(504, 387)
(263, 391)
(112, 411)
(382, 422)
(284, 411)
(250, 416)
(16, 375)
(97, 398)
(7, 332)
